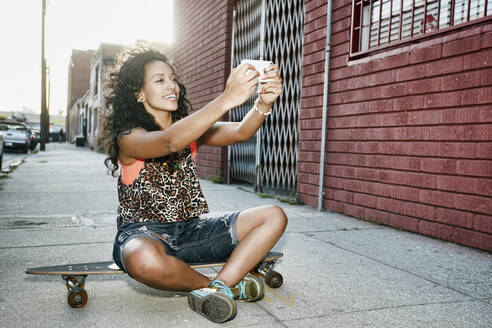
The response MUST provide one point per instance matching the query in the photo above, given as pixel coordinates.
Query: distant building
(78, 74)
(86, 102)
(84, 113)
(78, 84)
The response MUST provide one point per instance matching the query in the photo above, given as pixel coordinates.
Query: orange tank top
(130, 172)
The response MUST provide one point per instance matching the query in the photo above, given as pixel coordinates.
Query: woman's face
(160, 90)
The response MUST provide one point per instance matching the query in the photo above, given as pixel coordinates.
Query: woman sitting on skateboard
(161, 221)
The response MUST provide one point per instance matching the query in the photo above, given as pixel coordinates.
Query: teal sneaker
(249, 289)
(215, 302)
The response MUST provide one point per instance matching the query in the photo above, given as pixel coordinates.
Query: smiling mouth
(170, 97)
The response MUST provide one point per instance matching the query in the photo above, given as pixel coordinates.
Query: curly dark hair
(124, 112)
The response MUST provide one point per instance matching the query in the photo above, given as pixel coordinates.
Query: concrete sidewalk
(338, 271)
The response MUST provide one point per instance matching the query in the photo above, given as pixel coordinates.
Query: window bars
(381, 22)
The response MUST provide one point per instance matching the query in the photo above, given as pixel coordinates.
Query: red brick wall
(409, 135)
(79, 72)
(201, 48)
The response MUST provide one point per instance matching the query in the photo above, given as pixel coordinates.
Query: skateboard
(76, 274)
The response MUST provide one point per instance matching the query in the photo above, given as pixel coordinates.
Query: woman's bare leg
(258, 230)
(147, 261)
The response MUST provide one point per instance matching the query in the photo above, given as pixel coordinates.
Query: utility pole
(45, 118)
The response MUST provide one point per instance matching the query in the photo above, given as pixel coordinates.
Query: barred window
(380, 22)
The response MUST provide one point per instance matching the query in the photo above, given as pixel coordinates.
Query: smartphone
(260, 66)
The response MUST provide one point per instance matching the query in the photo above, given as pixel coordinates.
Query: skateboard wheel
(274, 279)
(77, 297)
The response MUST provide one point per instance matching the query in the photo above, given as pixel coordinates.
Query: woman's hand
(269, 91)
(240, 85)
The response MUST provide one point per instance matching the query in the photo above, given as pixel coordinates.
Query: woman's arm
(140, 143)
(228, 133)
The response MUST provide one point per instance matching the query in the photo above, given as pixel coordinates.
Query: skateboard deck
(76, 274)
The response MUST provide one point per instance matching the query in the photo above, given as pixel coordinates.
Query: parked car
(15, 135)
(1, 150)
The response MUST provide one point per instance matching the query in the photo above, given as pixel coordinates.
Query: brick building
(78, 84)
(399, 130)
(86, 104)
(409, 122)
(201, 52)
(84, 115)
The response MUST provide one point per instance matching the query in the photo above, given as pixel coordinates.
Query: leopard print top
(162, 192)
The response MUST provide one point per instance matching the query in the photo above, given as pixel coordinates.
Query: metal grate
(246, 45)
(284, 25)
(270, 30)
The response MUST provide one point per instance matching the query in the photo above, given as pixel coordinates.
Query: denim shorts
(204, 239)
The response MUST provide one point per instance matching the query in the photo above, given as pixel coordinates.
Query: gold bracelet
(259, 111)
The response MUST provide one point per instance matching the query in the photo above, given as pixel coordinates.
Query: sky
(70, 24)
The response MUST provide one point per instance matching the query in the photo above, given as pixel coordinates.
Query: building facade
(85, 114)
(78, 84)
(201, 53)
(392, 122)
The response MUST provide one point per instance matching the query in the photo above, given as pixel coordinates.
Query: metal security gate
(270, 30)
(246, 44)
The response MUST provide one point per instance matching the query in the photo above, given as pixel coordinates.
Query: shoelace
(222, 287)
(242, 289)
